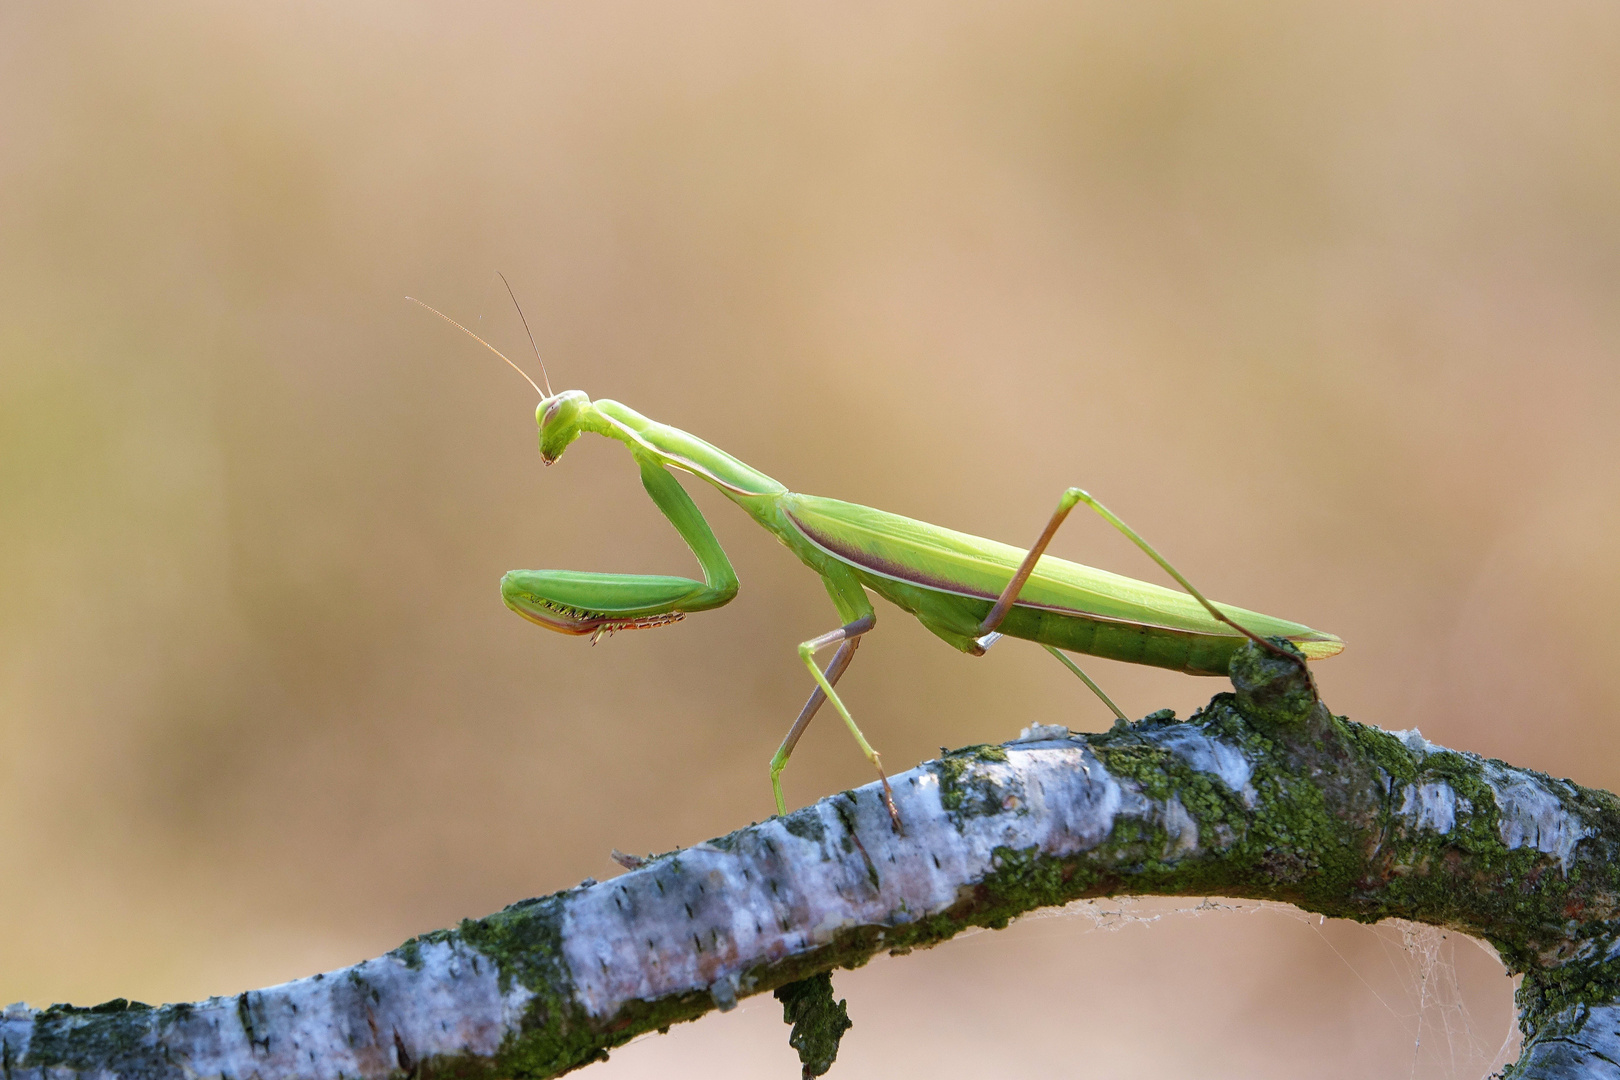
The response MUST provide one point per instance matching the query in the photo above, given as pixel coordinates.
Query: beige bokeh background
(1322, 298)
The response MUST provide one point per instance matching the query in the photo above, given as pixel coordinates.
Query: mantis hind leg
(1071, 498)
(1095, 689)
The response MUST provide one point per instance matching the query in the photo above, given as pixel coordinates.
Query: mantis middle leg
(850, 598)
(850, 635)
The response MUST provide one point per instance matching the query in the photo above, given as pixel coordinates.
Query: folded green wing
(925, 555)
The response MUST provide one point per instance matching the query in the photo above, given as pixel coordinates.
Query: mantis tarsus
(967, 590)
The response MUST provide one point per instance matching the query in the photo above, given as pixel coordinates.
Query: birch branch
(1263, 794)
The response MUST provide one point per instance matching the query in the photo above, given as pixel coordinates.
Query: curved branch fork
(1262, 794)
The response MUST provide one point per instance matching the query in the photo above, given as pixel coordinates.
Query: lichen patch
(1415, 742)
(1431, 806)
(1180, 828)
(1528, 815)
(1221, 759)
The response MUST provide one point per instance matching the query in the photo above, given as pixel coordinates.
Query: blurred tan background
(1322, 298)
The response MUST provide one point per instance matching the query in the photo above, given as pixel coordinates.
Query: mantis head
(560, 418)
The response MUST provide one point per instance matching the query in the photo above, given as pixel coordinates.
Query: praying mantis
(967, 590)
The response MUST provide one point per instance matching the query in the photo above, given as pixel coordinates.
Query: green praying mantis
(967, 590)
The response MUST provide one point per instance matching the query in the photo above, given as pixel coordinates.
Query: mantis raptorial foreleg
(1072, 497)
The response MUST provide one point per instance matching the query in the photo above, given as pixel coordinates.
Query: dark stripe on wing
(868, 561)
(865, 560)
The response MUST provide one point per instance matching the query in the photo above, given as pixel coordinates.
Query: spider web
(1432, 1008)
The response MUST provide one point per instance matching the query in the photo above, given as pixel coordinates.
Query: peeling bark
(1262, 794)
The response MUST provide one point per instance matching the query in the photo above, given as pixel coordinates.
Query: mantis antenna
(543, 394)
(543, 373)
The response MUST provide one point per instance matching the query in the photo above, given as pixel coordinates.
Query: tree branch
(1263, 794)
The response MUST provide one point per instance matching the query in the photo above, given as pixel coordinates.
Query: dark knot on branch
(1275, 687)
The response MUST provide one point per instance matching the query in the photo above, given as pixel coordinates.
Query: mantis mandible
(967, 590)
